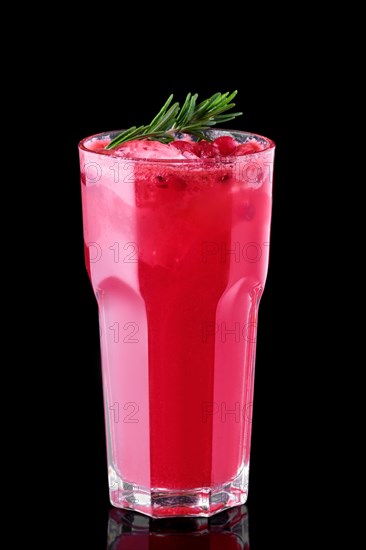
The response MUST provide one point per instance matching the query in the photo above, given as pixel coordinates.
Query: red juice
(177, 243)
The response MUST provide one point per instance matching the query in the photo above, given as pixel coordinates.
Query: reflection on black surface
(228, 530)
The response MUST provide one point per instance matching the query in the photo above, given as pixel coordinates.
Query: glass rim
(270, 145)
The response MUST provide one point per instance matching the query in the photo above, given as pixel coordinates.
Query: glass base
(161, 503)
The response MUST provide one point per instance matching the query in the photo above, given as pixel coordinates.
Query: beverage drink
(177, 252)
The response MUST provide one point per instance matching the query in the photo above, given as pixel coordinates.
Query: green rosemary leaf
(162, 110)
(190, 119)
(125, 136)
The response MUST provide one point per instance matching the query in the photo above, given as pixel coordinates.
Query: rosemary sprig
(190, 119)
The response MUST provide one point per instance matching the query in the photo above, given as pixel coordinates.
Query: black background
(114, 91)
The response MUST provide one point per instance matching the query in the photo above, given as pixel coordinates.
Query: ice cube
(147, 149)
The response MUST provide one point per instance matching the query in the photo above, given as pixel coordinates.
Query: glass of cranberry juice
(177, 254)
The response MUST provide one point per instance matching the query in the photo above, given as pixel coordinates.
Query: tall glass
(177, 253)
